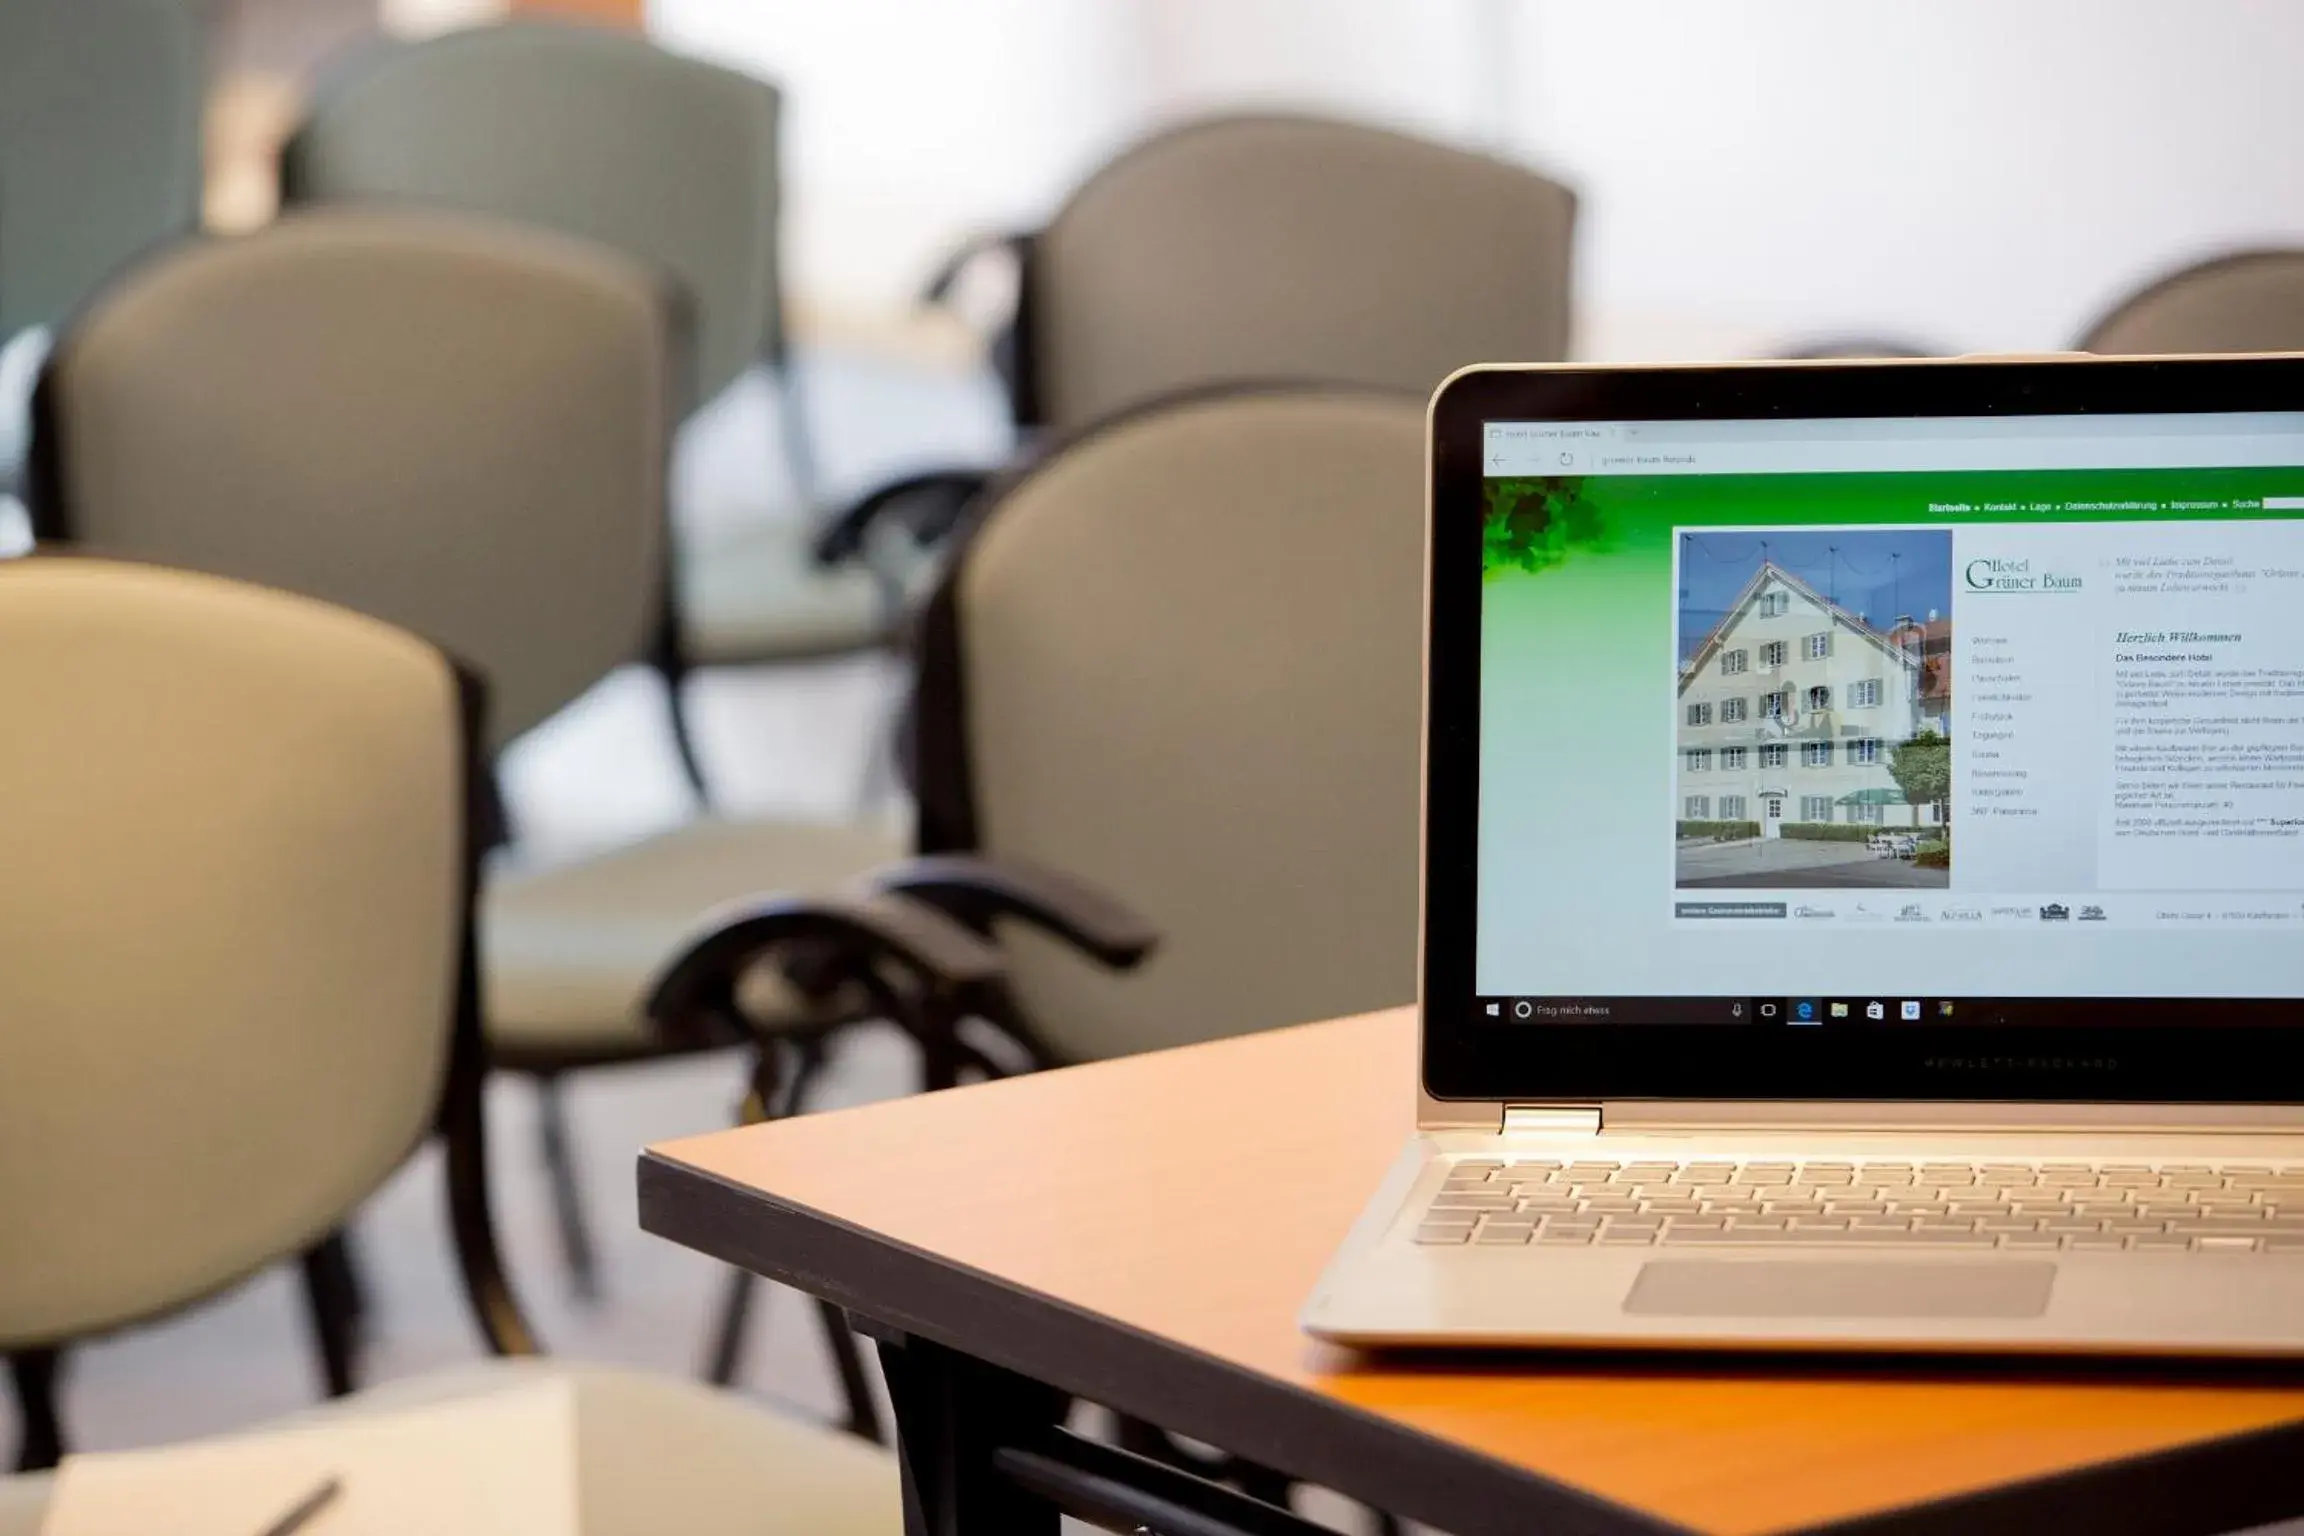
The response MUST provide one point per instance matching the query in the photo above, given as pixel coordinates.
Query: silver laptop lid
(1928, 731)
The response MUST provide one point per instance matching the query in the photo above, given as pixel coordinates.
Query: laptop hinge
(1552, 1119)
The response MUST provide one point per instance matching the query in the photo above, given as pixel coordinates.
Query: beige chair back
(1260, 248)
(595, 133)
(230, 931)
(1183, 659)
(2250, 302)
(457, 426)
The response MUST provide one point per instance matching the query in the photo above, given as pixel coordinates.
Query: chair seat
(24, 1502)
(654, 1454)
(569, 952)
(754, 593)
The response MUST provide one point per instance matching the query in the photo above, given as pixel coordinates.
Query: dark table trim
(1300, 1433)
(2209, 1488)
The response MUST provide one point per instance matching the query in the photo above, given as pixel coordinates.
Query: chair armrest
(931, 502)
(701, 981)
(977, 890)
(941, 284)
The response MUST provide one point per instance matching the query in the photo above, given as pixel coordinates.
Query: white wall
(1973, 173)
(1983, 173)
(912, 123)
(1410, 64)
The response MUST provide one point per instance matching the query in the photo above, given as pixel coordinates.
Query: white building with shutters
(1788, 711)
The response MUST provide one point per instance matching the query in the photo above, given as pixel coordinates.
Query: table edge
(1329, 1442)
(2209, 1487)
(1104, 1360)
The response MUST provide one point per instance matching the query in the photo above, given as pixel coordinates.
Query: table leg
(984, 1452)
(953, 1414)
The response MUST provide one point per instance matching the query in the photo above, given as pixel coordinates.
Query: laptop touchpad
(1856, 1288)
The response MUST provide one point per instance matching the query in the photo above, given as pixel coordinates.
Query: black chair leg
(356, 1295)
(34, 1372)
(798, 437)
(733, 1330)
(1386, 1525)
(855, 1385)
(763, 1096)
(332, 1296)
(675, 676)
(558, 1151)
(775, 1095)
(842, 1343)
(1261, 1483)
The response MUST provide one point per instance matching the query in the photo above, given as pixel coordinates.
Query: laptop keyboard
(2080, 1206)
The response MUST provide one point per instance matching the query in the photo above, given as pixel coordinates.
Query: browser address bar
(1574, 456)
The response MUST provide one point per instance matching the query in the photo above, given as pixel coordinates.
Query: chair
(1857, 345)
(99, 155)
(1209, 613)
(237, 1018)
(1244, 249)
(2250, 301)
(603, 135)
(458, 426)
(1180, 659)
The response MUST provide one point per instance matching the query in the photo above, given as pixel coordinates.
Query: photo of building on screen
(1814, 709)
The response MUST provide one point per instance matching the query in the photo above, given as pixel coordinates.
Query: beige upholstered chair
(455, 426)
(237, 990)
(459, 426)
(1179, 661)
(1259, 248)
(2252, 301)
(673, 160)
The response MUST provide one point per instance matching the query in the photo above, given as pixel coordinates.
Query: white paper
(501, 1462)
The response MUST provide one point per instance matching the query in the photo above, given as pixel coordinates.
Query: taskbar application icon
(1811, 1012)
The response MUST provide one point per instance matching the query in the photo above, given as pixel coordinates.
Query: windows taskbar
(1898, 1010)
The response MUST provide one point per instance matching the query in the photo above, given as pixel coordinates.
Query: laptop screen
(1889, 722)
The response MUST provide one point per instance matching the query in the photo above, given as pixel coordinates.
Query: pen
(306, 1507)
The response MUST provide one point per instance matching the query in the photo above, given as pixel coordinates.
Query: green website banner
(1535, 523)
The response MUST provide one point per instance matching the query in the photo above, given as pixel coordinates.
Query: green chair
(671, 160)
(99, 156)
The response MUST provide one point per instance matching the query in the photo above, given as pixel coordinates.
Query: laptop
(1863, 864)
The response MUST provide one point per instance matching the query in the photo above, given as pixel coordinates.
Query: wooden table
(1141, 1233)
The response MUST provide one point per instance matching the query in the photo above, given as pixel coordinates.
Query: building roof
(1751, 592)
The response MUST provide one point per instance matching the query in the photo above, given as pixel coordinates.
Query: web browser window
(1877, 714)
